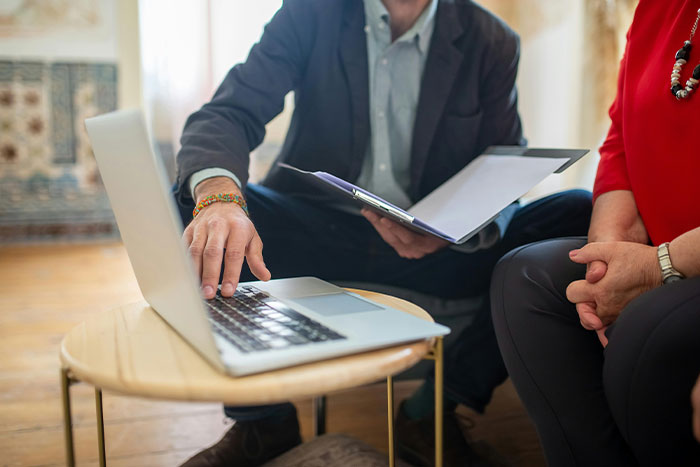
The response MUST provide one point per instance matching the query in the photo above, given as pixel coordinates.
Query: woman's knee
(651, 363)
(535, 269)
(529, 283)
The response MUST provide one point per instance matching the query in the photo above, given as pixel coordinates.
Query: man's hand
(632, 269)
(219, 226)
(407, 243)
(695, 400)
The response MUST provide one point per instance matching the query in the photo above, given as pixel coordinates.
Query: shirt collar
(420, 32)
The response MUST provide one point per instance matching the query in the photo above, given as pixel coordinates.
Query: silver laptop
(266, 325)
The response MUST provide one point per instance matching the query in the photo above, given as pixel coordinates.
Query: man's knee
(579, 197)
(576, 205)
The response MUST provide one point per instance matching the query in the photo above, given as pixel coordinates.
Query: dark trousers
(627, 404)
(304, 238)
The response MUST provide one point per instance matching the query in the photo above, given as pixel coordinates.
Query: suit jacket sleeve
(224, 131)
(499, 98)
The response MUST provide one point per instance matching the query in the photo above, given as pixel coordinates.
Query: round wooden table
(132, 350)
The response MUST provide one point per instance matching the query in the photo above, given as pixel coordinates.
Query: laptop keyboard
(252, 320)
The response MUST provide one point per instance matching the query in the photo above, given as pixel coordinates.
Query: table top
(131, 350)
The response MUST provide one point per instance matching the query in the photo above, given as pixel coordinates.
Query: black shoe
(415, 442)
(248, 444)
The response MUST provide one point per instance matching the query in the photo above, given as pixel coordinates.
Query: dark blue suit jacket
(317, 48)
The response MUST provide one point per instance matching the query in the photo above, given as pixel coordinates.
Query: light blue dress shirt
(395, 72)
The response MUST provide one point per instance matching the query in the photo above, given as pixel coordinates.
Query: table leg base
(66, 382)
(318, 415)
(439, 403)
(437, 354)
(390, 416)
(100, 428)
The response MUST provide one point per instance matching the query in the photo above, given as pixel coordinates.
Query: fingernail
(227, 288)
(208, 290)
(573, 252)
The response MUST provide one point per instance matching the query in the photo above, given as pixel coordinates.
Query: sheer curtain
(570, 53)
(187, 46)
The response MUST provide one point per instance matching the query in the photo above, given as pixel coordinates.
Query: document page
(481, 190)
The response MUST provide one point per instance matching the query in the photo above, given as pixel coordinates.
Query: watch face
(672, 278)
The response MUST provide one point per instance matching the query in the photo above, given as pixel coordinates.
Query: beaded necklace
(682, 57)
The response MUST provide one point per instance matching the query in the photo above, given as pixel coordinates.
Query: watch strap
(668, 272)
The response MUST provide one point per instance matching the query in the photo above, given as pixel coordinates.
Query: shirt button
(380, 114)
(382, 167)
(381, 26)
(384, 61)
(367, 29)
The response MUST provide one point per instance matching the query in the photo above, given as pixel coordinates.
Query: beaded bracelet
(224, 198)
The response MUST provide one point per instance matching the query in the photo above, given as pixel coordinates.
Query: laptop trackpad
(336, 304)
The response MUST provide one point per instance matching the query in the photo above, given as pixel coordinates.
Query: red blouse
(653, 146)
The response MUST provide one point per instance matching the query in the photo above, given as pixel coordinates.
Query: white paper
(481, 190)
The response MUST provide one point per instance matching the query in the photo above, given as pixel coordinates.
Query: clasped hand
(617, 272)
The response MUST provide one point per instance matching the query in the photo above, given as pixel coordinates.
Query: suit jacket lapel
(441, 67)
(353, 57)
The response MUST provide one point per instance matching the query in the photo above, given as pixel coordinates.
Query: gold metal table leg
(67, 418)
(390, 416)
(439, 376)
(100, 427)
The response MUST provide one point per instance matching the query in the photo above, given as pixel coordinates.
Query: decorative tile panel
(50, 188)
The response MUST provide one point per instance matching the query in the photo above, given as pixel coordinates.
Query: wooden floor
(45, 290)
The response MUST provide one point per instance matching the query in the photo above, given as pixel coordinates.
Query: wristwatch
(668, 272)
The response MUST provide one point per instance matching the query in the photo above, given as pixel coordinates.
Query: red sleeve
(612, 168)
